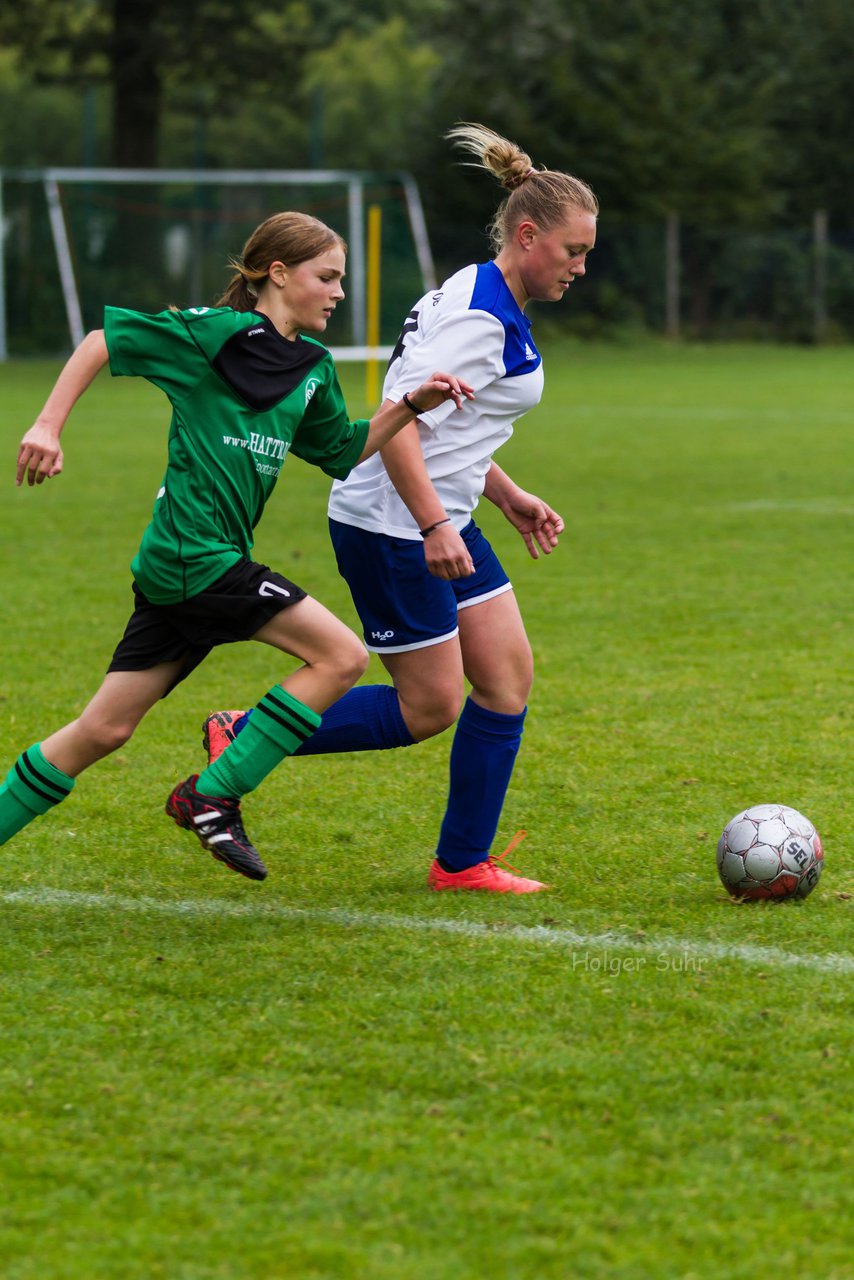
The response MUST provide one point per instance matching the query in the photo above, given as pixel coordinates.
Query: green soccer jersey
(242, 398)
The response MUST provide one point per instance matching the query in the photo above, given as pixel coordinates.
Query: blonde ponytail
(542, 195)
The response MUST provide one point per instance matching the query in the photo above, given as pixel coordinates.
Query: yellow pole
(372, 379)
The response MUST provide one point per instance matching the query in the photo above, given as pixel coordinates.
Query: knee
(351, 663)
(105, 736)
(443, 712)
(508, 692)
(524, 672)
(520, 690)
(433, 714)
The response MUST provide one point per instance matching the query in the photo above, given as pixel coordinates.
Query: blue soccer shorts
(401, 604)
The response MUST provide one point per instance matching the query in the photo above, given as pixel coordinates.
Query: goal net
(77, 239)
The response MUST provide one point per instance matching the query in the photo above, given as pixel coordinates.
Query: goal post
(75, 239)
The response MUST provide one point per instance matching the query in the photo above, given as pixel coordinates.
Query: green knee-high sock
(33, 785)
(279, 724)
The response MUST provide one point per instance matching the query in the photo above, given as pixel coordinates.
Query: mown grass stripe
(538, 935)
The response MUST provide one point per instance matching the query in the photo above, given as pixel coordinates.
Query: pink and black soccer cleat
(218, 823)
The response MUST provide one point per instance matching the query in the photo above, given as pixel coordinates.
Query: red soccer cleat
(217, 732)
(486, 876)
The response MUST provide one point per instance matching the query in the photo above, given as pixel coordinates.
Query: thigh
(308, 631)
(430, 685)
(496, 653)
(127, 695)
(333, 656)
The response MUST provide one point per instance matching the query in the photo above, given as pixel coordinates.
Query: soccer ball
(770, 851)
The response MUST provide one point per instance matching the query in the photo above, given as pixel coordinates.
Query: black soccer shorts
(233, 608)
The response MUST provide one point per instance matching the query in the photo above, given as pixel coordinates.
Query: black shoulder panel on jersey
(262, 367)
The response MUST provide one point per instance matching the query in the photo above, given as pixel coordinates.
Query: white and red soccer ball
(770, 851)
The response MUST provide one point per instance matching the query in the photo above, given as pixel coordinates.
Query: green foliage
(812, 116)
(694, 107)
(338, 1075)
(733, 116)
(363, 78)
(666, 117)
(199, 56)
(52, 126)
(64, 41)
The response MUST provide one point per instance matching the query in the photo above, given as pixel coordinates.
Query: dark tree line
(733, 109)
(733, 114)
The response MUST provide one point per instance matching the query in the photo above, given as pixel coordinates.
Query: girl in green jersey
(246, 388)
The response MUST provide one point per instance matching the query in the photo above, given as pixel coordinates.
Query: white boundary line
(672, 953)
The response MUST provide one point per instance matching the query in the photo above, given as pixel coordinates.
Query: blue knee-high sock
(368, 718)
(483, 754)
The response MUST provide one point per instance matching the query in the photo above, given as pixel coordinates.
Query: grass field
(337, 1074)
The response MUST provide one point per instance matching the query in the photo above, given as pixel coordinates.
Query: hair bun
(517, 179)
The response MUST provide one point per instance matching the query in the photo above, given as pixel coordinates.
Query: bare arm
(445, 553)
(391, 417)
(538, 524)
(39, 454)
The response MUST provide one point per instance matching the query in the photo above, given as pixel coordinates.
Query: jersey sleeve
(326, 438)
(469, 345)
(156, 347)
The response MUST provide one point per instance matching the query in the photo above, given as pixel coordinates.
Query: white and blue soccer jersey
(474, 328)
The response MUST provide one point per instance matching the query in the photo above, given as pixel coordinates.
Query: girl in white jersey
(434, 602)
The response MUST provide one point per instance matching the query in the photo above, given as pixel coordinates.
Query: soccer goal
(77, 239)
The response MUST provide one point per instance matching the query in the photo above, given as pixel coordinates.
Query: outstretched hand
(535, 520)
(441, 387)
(39, 456)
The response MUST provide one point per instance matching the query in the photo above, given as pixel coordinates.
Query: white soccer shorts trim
(449, 635)
(487, 595)
(419, 644)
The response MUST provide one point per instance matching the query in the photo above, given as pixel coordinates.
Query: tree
(813, 120)
(194, 55)
(372, 87)
(660, 107)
